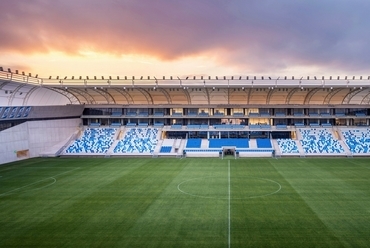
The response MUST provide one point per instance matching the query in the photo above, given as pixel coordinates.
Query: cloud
(248, 35)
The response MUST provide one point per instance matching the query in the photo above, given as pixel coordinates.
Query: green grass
(192, 202)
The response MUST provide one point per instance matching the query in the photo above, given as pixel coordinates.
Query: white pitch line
(6, 193)
(229, 211)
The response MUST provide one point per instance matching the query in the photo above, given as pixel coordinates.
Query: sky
(185, 37)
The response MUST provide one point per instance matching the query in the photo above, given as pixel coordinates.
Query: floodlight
(16, 71)
(23, 73)
(65, 77)
(9, 70)
(353, 78)
(110, 77)
(240, 77)
(80, 77)
(254, 77)
(73, 77)
(141, 78)
(345, 78)
(133, 77)
(285, 77)
(360, 77)
(201, 77)
(247, 77)
(49, 77)
(194, 77)
(125, 77)
(1, 69)
(232, 77)
(95, 77)
(322, 77)
(308, 77)
(29, 74)
(87, 77)
(186, 78)
(57, 77)
(216, 77)
(315, 77)
(338, 78)
(224, 77)
(270, 78)
(117, 77)
(209, 77)
(330, 77)
(262, 77)
(292, 77)
(102, 77)
(171, 77)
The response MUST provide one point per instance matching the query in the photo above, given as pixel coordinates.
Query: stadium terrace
(194, 116)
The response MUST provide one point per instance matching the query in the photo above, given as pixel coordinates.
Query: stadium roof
(19, 88)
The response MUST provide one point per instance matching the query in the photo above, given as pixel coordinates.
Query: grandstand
(241, 116)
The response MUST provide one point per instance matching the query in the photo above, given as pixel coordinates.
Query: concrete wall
(35, 136)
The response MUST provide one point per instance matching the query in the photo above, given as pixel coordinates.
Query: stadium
(242, 116)
(188, 162)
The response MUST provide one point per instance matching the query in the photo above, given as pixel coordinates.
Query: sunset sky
(185, 37)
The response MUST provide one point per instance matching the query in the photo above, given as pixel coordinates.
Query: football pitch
(190, 202)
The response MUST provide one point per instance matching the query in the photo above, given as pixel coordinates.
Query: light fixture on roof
(87, 77)
(330, 77)
(201, 77)
(164, 77)
(117, 77)
(368, 77)
(292, 77)
(125, 77)
(57, 77)
(73, 77)
(16, 71)
(186, 78)
(133, 77)
(209, 77)
(315, 77)
(262, 77)
(65, 77)
(148, 77)
(308, 77)
(254, 77)
(345, 77)
(232, 77)
(224, 77)
(94, 77)
(270, 78)
(110, 77)
(360, 77)
(285, 77)
(353, 78)
(1, 68)
(194, 77)
(216, 78)
(338, 78)
(49, 77)
(29, 74)
(247, 77)
(80, 77)
(102, 77)
(322, 77)
(9, 70)
(240, 77)
(141, 78)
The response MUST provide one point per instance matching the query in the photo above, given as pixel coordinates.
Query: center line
(229, 228)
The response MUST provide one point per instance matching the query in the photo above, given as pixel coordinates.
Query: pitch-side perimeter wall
(29, 139)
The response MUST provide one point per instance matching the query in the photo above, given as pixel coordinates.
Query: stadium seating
(318, 141)
(193, 143)
(287, 146)
(357, 140)
(219, 143)
(138, 140)
(93, 140)
(263, 143)
(165, 149)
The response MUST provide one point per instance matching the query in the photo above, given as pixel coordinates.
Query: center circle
(218, 187)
